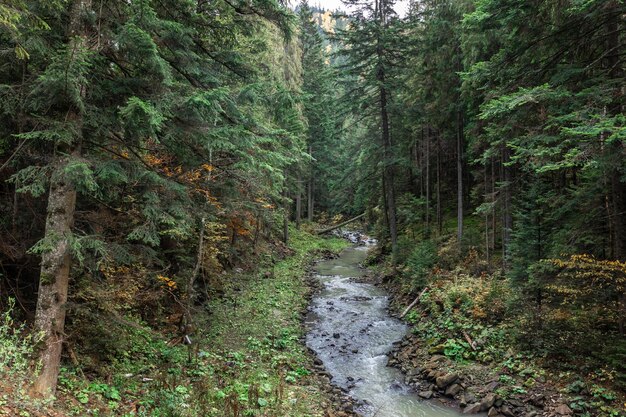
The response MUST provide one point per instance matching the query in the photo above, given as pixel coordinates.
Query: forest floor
(248, 356)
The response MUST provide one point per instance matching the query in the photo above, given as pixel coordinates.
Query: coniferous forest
(169, 170)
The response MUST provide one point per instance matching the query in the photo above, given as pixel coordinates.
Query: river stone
(492, 386)
(444, 381)
(425, 394)
(538, 400)
(413, 372)
(487, 402)
(507, 411)
(492, 412)
(563, 410)
(467, 398)
(472, 409)
(453, 390)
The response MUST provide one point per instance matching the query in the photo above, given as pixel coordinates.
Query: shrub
(16, 346)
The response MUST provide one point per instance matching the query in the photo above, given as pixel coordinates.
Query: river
(351, 331)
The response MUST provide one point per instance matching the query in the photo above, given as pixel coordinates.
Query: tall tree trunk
(388, 180)
(286, 211)
(459, 167)
(616, 149)
(493, 205)
(54, 277)
(428, 132)
(439, 219)
(298, 201)
(56, 262)
(309, 200)
(486, 198)
(388, 170)
(507, 217)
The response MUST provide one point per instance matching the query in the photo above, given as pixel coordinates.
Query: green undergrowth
(247, 357)
(474, 314)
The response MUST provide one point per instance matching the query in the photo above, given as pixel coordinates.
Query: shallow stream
(351, 332)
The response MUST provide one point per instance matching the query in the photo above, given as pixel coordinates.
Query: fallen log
(330, 229)
(406, 310)
(469, 340)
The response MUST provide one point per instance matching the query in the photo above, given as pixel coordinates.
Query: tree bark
(388, 180)
(56, 262)
(459, 168)
(616, 149)
(486, 193)
(54, 277)
(428, 134)
(298, 202)
(309, 200)
(286, 212)
(507, 217)
(439, 219)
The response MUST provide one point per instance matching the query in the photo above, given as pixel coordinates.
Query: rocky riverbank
(514, 389)
(473, 387)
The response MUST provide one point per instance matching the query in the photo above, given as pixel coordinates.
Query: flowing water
(351, 331)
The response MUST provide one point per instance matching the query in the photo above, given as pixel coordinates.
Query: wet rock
(467, 398)
(472, 409)
(487, 402)
(492, 412)
(446, 380)
(505, 410)
(563, 410)
(453, 390)
(336, 335)
(346, 406)
(425, 394)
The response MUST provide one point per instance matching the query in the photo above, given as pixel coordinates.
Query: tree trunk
(439, 219)
(459, 167)
(337, 226)
(298, 202)
(56, 262)
(309, 200)
(54, 277)
(507, 217)
(493, 205)
(427, 234)
(486, 198)
(286, 212)
(616, 149)
(388, 170)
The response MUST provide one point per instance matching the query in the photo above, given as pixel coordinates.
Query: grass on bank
(247, 359)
